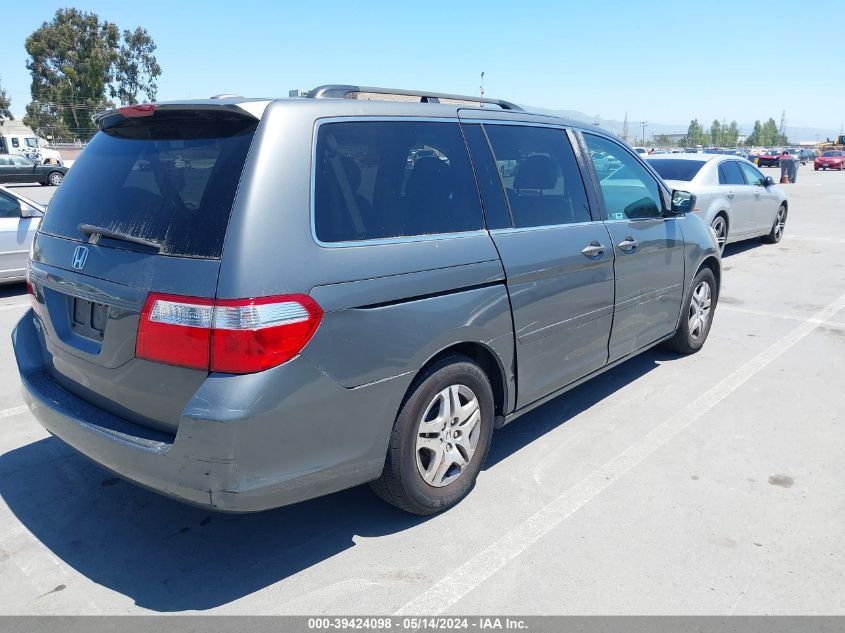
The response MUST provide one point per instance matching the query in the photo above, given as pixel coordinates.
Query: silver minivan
(246, 303)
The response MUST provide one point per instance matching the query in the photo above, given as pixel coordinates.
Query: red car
(831, 159)
(769, 158)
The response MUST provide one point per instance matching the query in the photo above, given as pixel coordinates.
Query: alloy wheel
(780, 223)
(699, 310)
(447, 436)
(720, 228)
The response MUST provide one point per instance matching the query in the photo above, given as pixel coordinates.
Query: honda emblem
(80, 256)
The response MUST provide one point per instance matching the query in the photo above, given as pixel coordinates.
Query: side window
(540, 174)
(752, 176)
(5, 161)
(383, 179)
(15, 142)
(9, 208)
(629, 190)
(489, 183)
(730, 174)
(20, 161)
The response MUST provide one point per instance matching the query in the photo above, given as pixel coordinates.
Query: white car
(732, 195)
(19, 220)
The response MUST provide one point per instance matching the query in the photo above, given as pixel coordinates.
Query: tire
(55, 178)
(720, 227)
(411, 479)
(815, 168)
(776, 234)
(692, 333)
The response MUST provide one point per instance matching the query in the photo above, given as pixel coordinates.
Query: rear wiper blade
(98, 231)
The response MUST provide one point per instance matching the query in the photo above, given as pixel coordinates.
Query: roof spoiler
(337, 91)
(105, 120)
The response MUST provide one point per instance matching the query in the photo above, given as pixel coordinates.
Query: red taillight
(142, 109)
(237, 336)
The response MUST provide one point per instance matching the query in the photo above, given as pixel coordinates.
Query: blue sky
(661, 61)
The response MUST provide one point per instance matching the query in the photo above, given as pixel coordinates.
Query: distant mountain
(795, 134)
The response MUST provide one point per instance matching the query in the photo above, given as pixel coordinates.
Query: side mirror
(28, 211)
(768, 182)
(683, 202)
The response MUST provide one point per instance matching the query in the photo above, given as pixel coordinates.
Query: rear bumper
(244, 443)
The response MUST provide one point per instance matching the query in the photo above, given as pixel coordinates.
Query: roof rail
(342, 92)
(226, 95)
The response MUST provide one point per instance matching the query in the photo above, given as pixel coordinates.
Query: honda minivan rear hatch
(143, 211)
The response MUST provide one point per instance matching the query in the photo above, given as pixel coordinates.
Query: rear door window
(540, 175)
(390, 179)
(169, 179)
(730, 174)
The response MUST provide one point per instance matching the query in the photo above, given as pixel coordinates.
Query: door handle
(756, 194)
(730, 195)
(628, 244)
(593, 250)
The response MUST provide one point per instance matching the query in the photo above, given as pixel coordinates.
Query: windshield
(676, 168)
(170, 179)
(833, 153)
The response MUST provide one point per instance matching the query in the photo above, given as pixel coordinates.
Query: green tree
(695, 134)
(5, 105)
(756, 137)
(662, 140)
(771, 135)
(77, 63)
(715, 132)
(732, 134)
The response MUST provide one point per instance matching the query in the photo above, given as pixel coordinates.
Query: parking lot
(708, 484)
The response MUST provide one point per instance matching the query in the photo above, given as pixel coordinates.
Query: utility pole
(625, 128)
(782, 129)
(643, 124)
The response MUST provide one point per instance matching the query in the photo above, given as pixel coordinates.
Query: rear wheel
(720, 228)
(774, 236)
(697, 314)
(55, 178)
(440, 438)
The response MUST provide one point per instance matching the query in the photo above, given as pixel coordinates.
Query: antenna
(481, 89)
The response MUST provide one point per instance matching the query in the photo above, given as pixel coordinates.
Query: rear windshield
(676, 169)
(169, 179)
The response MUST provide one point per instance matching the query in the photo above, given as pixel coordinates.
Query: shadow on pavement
(170, 557)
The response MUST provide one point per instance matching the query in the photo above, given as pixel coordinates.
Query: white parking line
(490, 560)
(7, 413)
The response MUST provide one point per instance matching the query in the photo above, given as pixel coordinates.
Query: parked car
(323, 323)
(17, 169)
(641, 150)
(732, 196)
(603, 163)
(830, 159)
(806, 155)
(769, 158)
(19, 219)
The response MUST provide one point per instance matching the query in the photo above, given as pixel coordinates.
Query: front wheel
(774, 236)
(696, 315)
(440, 438)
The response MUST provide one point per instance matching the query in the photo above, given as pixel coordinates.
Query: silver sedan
(19, 220)
(732, 195)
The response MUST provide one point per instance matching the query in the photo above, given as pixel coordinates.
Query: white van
(27, 144)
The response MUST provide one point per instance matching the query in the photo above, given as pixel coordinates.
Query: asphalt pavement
(707, 484)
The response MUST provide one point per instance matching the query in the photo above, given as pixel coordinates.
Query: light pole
(643, 125)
